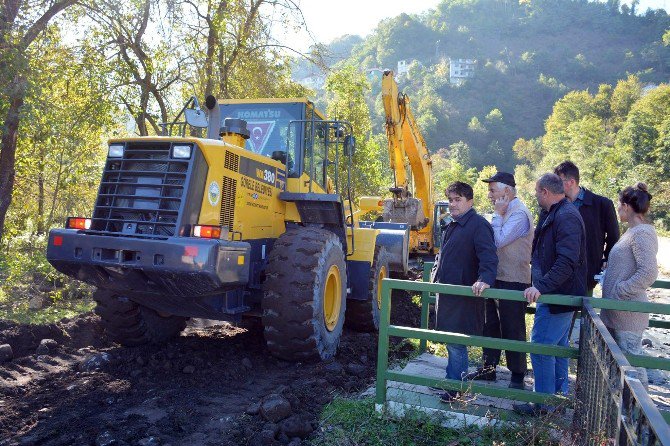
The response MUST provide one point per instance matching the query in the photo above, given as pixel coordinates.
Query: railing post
(425, 308)
(383, 346)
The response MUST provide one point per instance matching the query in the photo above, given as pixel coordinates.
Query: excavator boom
(412, 168)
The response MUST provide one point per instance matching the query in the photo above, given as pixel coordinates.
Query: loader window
(268, 127)
(317, 146)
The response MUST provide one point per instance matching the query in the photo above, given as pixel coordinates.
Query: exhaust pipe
(214, 112)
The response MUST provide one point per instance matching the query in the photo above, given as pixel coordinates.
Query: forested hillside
(529, 54)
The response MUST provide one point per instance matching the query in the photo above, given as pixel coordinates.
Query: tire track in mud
(202, 388)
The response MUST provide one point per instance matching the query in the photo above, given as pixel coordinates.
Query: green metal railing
(428, 298)
(423, 334)
(611, 404)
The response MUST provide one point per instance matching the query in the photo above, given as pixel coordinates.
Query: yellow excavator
(412, 193)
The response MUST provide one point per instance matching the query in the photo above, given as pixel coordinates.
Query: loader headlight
(182, 152)
(115, 151)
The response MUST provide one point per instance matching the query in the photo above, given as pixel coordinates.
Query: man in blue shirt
(512, 223)
(600, 220)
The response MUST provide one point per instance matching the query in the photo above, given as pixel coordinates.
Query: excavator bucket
(406, 210)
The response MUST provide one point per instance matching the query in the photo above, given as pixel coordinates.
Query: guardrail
(386, 330)
(427, 299)
(610, 402)
(423, 334)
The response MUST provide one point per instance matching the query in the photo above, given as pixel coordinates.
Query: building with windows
(403, 67)
(461, 69)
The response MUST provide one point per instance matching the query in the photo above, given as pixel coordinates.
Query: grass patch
(347, 422)
(19, 312)
(402, 352)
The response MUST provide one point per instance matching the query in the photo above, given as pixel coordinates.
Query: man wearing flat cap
(512, 230)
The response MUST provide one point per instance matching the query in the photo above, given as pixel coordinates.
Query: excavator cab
(441, 219)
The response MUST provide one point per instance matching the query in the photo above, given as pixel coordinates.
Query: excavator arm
(412, 168)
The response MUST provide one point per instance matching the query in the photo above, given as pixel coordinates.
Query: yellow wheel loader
(254, 218)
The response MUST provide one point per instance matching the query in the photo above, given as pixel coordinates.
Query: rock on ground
(275, 408)
(6, 353)
(296, 426)
(95, 362)
(47, 346)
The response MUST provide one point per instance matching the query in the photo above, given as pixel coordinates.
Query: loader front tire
(304, 295)
(131, 324)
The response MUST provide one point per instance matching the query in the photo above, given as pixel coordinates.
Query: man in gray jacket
(512, 230)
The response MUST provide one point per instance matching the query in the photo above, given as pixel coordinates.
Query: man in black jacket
(600, 221)
(558, 266)
(467, 257)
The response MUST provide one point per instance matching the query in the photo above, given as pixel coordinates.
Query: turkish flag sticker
(260, 133)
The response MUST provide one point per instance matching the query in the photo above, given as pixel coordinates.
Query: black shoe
(535, 410)
(481, 374)
(517, 385)
(529, 409)
(450, 396)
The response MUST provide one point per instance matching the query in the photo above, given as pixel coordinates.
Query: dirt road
(203, 388)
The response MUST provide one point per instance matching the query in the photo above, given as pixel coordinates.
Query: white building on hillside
(461, 69)
(403, 67)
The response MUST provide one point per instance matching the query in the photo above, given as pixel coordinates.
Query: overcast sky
(327, 20)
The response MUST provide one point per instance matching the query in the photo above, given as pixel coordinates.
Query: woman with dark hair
(631, 269)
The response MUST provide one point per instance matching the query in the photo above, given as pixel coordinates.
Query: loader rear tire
(131, 324)
(363, 315)
(304, 298)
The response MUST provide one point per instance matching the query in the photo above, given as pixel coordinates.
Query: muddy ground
(203, 388)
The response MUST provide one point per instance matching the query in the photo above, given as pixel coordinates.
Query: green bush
(26, 274)
(24, 257)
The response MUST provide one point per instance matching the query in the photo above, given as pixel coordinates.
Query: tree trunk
(17, 92)
(40, 201)
(212, 38)
(54, 197)
(16, 89)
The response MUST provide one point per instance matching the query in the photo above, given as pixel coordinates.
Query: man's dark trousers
(506, 319)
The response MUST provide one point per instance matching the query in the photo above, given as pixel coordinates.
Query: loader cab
(268, 124)
(294, 132)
